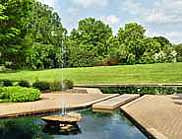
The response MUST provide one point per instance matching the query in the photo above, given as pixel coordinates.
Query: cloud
(160, 12)
(132, 7)
(91, 3)
(163, 17)
(166, 12)
(174, 36)
(111, 19)
(51, 3)
(73, 11)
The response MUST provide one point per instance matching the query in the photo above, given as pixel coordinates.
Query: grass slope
(148, 73)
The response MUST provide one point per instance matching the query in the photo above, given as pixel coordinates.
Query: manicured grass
(150, 73)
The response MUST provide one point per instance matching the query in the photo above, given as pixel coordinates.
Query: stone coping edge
(52, 110)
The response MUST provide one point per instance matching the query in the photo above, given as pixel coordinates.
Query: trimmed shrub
(19, 94)
(56, 86)
(24, 83)
(139, 90)
(41, 85)
(2, 93)
(7, 83)
(68, 84)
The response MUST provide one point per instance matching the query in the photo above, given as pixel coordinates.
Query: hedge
(19, 94)
(60, 86)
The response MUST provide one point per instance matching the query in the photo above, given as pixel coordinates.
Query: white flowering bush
(168, 56)
(172, 57)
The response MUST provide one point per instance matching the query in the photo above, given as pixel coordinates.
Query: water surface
(92, 126)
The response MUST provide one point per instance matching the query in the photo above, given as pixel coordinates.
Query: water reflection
(22, 128)
(92, 126)
(55, 130)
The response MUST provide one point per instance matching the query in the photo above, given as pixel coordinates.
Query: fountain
(65, 121)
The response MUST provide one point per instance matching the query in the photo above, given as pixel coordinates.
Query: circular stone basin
(58, 120)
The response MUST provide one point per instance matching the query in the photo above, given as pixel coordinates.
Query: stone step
(114, 103)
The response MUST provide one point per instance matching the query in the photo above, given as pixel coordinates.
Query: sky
(159, 17)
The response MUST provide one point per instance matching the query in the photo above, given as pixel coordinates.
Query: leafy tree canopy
(88, 42)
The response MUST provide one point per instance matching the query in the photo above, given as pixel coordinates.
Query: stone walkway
(159, 115)
(52, 102)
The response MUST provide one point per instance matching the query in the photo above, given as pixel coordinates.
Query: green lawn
(150, 73)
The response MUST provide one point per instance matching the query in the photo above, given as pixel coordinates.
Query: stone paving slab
(52, 102)
(90, 90)
(161, 116)
(114, 103)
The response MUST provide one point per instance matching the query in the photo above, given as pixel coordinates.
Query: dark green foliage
(163, 41)
(133, 47)
(43, 56)
(3, 69)
(41, 85)
(32, 36)
(178, 49)
(140, 90)
(93, 44)
(47, 39)
(21, 128)
(24, 23)
(24, 83)
(13, 30)
(179, 90)
(46, 25)
(19, 94)
(87, 44)
(68, 84)
(7, 83)
(2, 93)
(56, 86)
(59, 86)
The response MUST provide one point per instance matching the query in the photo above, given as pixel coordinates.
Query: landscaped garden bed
(18, 94)
(23, 91)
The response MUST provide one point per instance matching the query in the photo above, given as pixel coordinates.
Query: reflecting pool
(92, 126)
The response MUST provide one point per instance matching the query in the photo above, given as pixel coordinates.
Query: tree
(166, 53)
(152, 47)
(46, 25)
(23, 23)
(88, 44)
(31, 34)
(14, 17)
(163, 41)
(43, 56)
(136, 48)
(2, 15)
(178, 49)
(131, 42)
